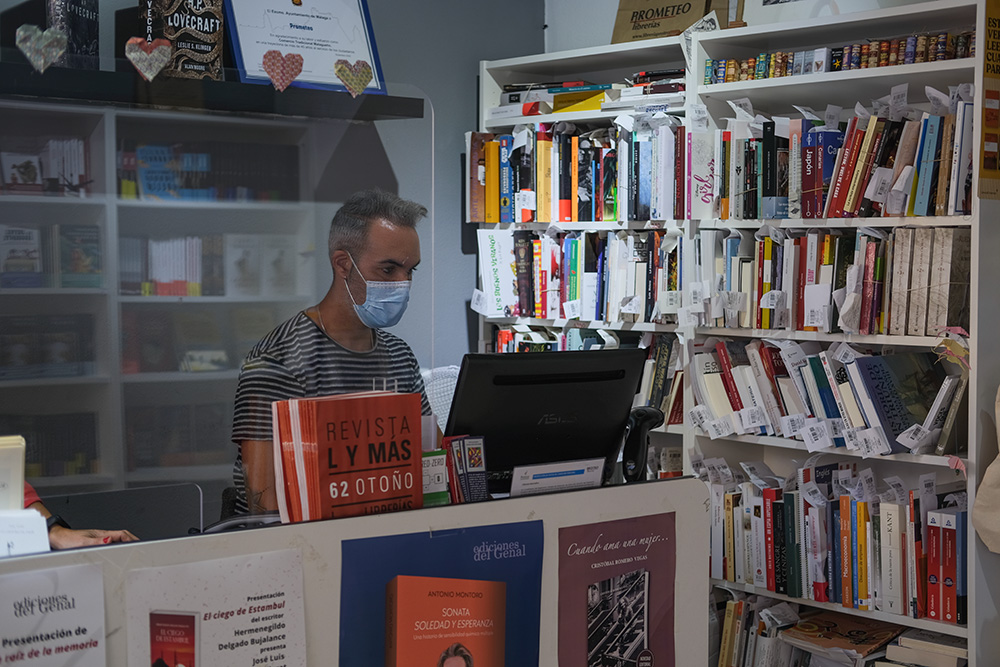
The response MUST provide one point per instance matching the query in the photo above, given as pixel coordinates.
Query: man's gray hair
(349, 229)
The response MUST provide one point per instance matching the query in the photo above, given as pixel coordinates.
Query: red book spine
(846, 548)
(727, 377)
(809, 166)
(868, 289)
(800, 287)
(934, 570)
(845, 174)
(677, 409)
(679, 180)
(770, 496)
(949, 571)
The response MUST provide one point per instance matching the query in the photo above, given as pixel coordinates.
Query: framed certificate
(333, 37)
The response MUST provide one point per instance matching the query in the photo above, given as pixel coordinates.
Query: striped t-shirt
(298, 360)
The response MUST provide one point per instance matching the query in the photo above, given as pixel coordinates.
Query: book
(362, 450)
(79, 20)
(242, 254)
(199, 342)
(919, 658)
(174, 638)
(829, 633)
(21, 257)
(430, 620)
(934, 642)
(492, 180)
(948, 293)
(80, 255)
(278, 265)
(22, 172)
(473, 454)
(194, 31)
(435, 478)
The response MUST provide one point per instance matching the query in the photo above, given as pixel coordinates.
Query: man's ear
(341, 262)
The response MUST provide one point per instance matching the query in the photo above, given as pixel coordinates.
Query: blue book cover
(930, 141)
(901, 387)
(825, 393)
(506, 179)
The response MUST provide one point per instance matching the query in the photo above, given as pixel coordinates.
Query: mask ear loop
(347, 281)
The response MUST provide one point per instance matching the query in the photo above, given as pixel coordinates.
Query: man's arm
(61, 537)
(258, 475)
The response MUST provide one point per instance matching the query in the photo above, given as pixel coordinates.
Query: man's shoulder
(280, 340)
(394, 344)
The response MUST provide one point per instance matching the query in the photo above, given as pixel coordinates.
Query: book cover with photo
(173, 639)
(617, 619)
(478, 587)
(616, 592)
(430, 619)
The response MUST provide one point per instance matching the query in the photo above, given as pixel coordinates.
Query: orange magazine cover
(431, 620)
(348, 455)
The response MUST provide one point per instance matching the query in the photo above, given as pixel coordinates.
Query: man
(337, 346)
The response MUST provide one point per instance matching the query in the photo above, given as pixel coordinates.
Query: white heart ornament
(41, 48)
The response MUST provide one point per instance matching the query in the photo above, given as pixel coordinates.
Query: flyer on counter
(411, 599)
(240, 611)
(54, 617)
(560, 476)
(334, 38)
(616, 591)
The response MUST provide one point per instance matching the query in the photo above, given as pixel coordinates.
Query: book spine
(769, 498)
(934, 562)
(847, 589)
(506, 192)
(492, 193)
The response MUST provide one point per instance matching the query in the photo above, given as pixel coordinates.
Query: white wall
(573, 24)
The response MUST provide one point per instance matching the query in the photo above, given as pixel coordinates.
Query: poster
(240, 611)
(334, 38)
(989, 160)
(53, 617)
(616, 592)
(500, 565)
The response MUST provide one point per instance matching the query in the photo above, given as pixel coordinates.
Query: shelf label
(898, 489)
(867, 486)
(670, 302)
(852, 439)
(630, 305)
(813, 494)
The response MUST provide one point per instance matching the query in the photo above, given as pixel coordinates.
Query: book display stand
(708, 103)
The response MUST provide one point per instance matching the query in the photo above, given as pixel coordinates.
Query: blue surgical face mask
(385, 302)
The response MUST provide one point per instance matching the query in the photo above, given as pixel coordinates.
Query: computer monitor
(543, 407)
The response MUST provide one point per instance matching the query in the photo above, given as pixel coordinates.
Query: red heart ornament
(282, 70)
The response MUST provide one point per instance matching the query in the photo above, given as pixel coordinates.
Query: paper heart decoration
(148, 58)
(356, 77)
(40, 48)
(282, 69)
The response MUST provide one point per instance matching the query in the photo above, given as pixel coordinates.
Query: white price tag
(792, 424)
(816, 435)
(867, 484)
(807, 112)
(898, 489)
(875, 442)
(960, 500)
(940, 103)
(897, 100)
(687, 317)
(698, 115)
(630, 305)
(524, 200)
(553, 231)
(773, 299)
(571, 309)
(832, 116)
(844, 353)
(835, 427)
(861, 112)
(928, 493)
(626, 122)
(696, 294)
(701, 416)
(880, 107)
(479, 304)
(886, 496)
(720, 428)
(753, 418)
(851, 439)
(743, 108)
(813, 494)
(916, 438)
(671, 302)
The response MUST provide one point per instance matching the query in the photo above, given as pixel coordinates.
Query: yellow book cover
(765, 313)
(492, 181)
(862, 528)
(585, 100)
(437, 621)
(543, 175)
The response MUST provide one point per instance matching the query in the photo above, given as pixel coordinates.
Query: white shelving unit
(776, 96)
